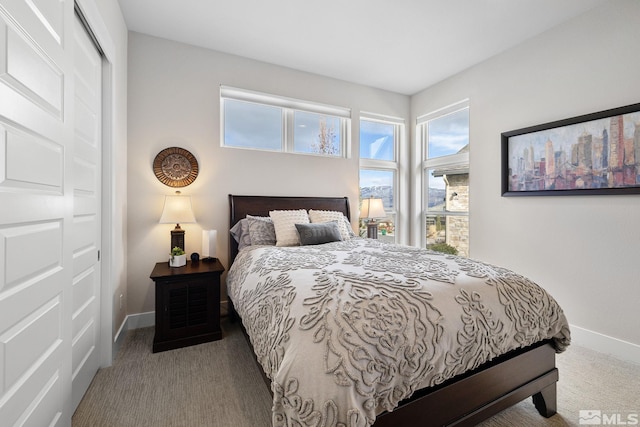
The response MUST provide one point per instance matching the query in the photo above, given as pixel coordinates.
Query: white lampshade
(177, 209)
(209, 243)
(372, 208)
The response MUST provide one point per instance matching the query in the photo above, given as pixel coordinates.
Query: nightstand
(187, 304)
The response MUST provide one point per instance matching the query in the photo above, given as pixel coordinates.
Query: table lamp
(371, 209)
(176, 210)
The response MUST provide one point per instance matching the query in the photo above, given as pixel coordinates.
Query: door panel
(30, 251)
(43, 19)
(44, 157)
(30, 72)
(40, 331)
(86, 213)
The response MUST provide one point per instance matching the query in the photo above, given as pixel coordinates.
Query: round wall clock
(175, 167)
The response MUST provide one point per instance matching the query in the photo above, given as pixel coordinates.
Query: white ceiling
(402, 46)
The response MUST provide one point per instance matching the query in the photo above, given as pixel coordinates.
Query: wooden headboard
(241, 206)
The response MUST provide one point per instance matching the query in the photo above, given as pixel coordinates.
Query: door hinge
(98, 255)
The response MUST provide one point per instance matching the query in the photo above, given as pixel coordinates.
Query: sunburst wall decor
(175, 167)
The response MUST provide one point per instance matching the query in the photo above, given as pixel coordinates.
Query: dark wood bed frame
(464, 400)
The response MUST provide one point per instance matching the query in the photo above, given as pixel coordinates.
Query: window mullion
(288, 130)
(378, 164)
(343, 138)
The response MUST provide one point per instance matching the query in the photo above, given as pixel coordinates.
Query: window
(379, 184)
(445, 165)
(265, 122)
(249, 125)
(377, 140)
(379, 143)
(317, 134)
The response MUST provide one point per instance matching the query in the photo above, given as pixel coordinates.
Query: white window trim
(281, 101)
(375, 117)
(451, 108)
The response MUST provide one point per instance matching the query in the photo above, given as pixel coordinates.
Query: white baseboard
(141, 320)
(117, 340)
(615, 347)
(132, 321)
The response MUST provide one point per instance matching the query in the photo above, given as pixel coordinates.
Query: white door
(35, 213)
(86, 211)
(43, 256)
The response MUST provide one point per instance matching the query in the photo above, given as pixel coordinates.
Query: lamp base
(177, 239)
(372, 229)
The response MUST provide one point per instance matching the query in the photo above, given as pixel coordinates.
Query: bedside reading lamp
(371, 209)
(176, 210)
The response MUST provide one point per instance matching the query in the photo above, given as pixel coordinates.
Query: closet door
(36, 211)
(87, 150)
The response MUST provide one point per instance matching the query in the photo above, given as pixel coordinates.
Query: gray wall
(174, 101)
(584, 250)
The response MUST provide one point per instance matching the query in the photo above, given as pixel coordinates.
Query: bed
(419, 373)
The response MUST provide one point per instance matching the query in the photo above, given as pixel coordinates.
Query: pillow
(284, 223)
(315, 234)
(326, 216)
(240, 233)
(347, 224)
(261, 230)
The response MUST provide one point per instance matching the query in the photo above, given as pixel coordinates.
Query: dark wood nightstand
(187, 304)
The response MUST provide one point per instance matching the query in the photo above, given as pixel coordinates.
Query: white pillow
(328, 216)
(285, 225)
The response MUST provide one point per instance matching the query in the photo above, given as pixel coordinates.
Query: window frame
(288, 106)
(386, 165)
(427, 164)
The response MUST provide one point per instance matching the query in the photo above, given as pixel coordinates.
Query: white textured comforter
(346, 330)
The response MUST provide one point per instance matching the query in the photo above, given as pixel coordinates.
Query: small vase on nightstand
(178, 260)
(178, 257)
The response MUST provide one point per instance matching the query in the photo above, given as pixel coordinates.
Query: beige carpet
(218, 384)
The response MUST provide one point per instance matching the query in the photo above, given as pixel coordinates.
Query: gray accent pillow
(316, 215)
(315, 234)
(261, 230)
(240, 233)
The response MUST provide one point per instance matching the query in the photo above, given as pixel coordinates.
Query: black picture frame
(597, 153)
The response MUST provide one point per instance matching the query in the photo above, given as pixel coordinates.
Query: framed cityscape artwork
(597, 153)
